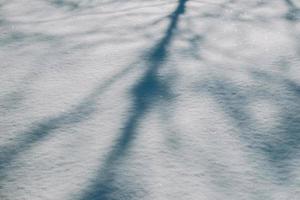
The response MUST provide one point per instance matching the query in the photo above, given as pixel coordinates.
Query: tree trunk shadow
(147, 91)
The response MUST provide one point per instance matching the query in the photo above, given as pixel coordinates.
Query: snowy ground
(149, 99)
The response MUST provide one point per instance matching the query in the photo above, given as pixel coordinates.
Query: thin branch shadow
(293, 13)
(282, 142)
(41, 131)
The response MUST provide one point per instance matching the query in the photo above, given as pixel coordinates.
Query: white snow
(149, 99)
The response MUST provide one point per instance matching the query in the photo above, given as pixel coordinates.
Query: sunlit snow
(149, 100)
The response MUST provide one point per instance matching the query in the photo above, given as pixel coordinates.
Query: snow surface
(149, 99)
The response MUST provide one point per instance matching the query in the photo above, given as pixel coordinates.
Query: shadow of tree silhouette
(152, 89)
(280, 145)
(293, 13)
(285, 143)
(41, 131)
(81, 112)
(145, 94)
(63, 3)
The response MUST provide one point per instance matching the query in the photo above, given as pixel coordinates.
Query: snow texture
(149, 100)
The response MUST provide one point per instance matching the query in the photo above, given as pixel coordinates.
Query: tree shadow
(149, 90)
(280, 145)
(40, 131)
(293, 13)
(83, 111)
(68, 4)
(79, 113)
(284, 146)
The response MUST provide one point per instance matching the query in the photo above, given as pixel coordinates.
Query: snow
(152, 99)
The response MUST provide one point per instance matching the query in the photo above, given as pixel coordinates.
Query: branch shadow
(44, 129)
(79, 113)
(293, 13)
(146, 93)
(280, 145)
(83, 111)
(68, 4)
(284, 146)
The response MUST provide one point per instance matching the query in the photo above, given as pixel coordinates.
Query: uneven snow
(149, 99)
